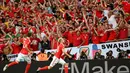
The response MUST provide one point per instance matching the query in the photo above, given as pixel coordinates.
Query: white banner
(91, 49)
(105, 47)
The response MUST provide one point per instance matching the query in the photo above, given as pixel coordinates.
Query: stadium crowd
(80, 22)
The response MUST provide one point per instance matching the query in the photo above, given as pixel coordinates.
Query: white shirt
(112, 21)
(105, 13)
(17, 29)
(43, 35)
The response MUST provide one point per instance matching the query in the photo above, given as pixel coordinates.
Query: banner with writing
(91, 49)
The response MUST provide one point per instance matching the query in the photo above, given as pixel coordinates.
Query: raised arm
(86, 20)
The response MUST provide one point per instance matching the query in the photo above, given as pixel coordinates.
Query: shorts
(22, 57)
(57, 61)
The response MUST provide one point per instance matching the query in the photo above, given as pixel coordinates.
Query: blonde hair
(60, 40)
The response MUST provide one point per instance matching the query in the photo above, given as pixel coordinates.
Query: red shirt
(33, 29)
(70, 37)
(127, 18)
(42, 28)
(123, 34)
(7, 1)
(13, 30)
(62, 1)
(16, 48)
(26, 43)
(41, 1)
(15, 9)
(104, 37)
(112, 35)
(24, 0)
(84, 2)
(72, 15)
(85, 36)
(126, 7)
(98, 14)
(77, 39)
(59, 51)
(95, 39)
(25, 9)
(35, 43)
(25, 30)
(98, 0)
(65, 34)
(11, 14)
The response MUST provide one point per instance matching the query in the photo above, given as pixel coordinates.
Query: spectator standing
(45, 44)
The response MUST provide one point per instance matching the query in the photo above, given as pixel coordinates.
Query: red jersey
(35, 43)
(1, 47)
(41, 1)
(95, 39)
(59, 51)
(77, 39)
(85, 37)
(25, 30)
(15, 9)
(26, 43)
(7, 1)
(112, 35)
(11, 14)
(16, 48)
(42, 28)
(33, 29)
(123, 33)
(103, 38)
(70, 37)
(24, 0)
(126, 6)
(62, 1)
(98, 14)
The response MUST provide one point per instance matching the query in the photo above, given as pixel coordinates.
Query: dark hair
(111, 6)
(128, 22)
(34, 54)
(68, 17)
(42, 50)
(121, 12)
(85, 29)
(5, 58)
(66, 8)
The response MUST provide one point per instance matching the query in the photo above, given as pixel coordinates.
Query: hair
(60, 40)
(42, 50)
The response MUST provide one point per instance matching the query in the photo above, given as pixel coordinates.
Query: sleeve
(82, 37)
